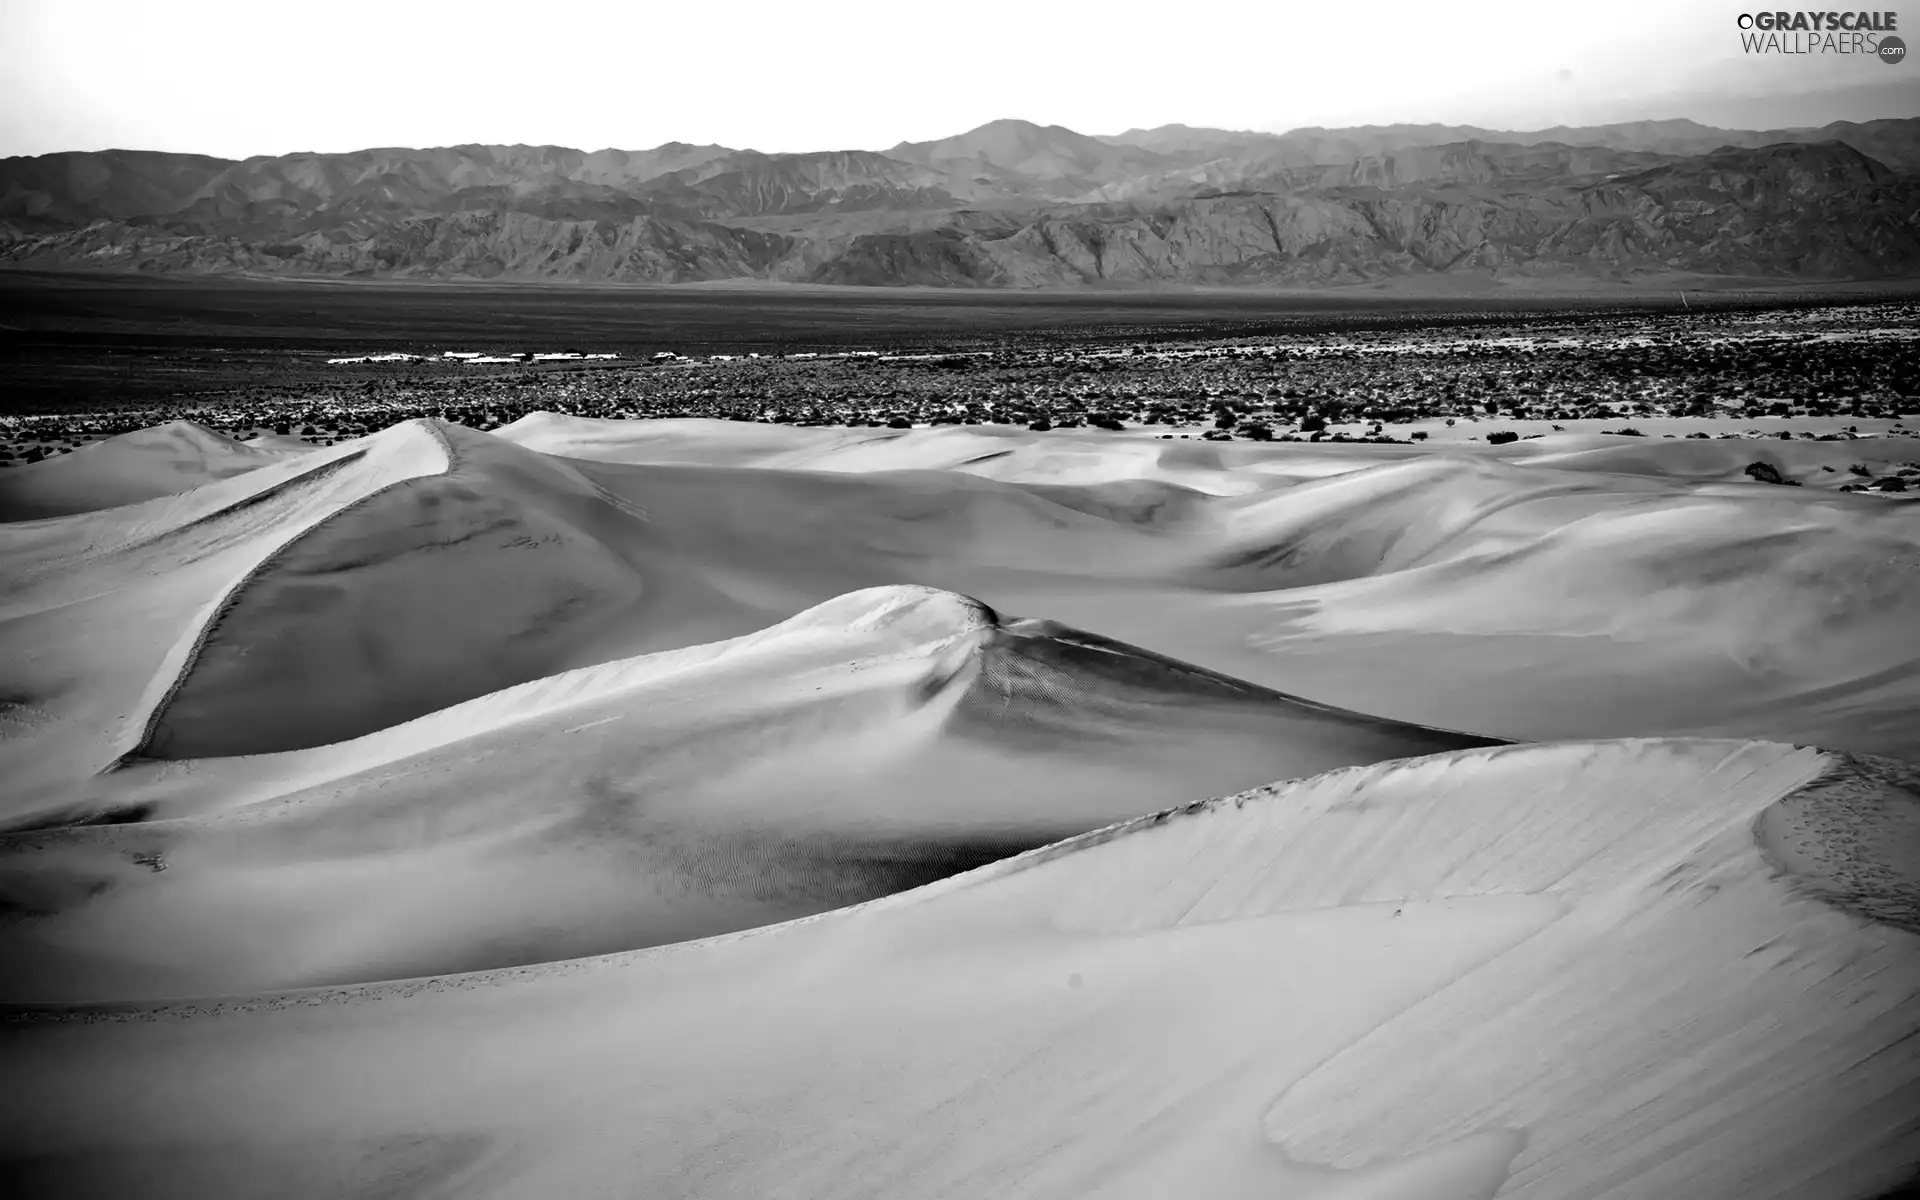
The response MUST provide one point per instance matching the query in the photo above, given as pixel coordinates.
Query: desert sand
(714, 809)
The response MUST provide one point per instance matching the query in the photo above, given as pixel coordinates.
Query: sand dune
(1372, 520)
(1785, 612)
(1599, 970)
(329, 595)
(127, 469)
(1219, 468)
(992, 452)
(873, 743)
(343, 591)
(1548, 611)
(1809, 462)
(476, 736)
(100, 611)
(374, 614)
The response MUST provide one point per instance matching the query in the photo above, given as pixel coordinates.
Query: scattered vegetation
(1338, 384)
(1761, 472)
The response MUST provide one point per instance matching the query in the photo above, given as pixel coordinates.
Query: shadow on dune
(871, 744)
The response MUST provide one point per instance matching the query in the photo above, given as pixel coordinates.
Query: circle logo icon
(1892, 50)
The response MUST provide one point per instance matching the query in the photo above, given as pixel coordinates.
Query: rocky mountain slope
(1011, 204)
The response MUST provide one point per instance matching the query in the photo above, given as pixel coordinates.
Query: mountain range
(1010, 204)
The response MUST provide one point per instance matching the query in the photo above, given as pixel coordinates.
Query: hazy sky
(270, 77)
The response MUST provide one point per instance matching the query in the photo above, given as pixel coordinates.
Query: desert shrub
(1892, 483)
(1502, 436)
(1258, 432)
(1629, 431)
(1763, 473)
(899, 423)
(1041, 425)
(1313, 424)
(1418, 435)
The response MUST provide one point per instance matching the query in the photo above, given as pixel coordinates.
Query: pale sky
(273, 77)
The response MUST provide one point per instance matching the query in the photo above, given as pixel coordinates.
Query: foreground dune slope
(874, 743)
(1619, 969)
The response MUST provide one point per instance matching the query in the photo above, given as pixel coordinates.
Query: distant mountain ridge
(1892, 140)
(1009, 204)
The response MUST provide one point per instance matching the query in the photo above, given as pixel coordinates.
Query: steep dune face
(100, 610)
(374, 615)
(873, 743)
(127, 469)
(1582, 970)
